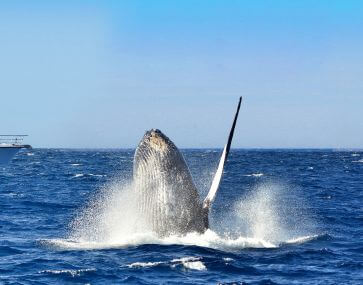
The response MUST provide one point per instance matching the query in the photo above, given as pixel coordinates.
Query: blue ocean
(280, 217)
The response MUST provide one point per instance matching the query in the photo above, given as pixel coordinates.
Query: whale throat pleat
(168, 199)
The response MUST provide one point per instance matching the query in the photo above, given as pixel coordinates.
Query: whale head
(157, 141)
(156, 154)
(167, 195)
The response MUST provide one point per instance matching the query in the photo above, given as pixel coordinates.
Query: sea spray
(110, 216)
(272, 212)
(267, 216)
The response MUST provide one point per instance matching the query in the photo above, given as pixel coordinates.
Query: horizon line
(211, 148)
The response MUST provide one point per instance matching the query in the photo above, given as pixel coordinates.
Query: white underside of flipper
(216, 181)
(218, 176)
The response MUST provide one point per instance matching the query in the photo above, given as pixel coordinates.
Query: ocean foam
(254, 175)
(188, 262)
(301, 239)
(144, 264)
(209, 239)
(72, 272)
(78, 175)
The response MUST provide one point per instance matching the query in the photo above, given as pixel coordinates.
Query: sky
(98, 74)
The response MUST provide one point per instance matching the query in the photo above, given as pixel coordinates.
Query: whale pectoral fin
(218, 175)
(216, 181)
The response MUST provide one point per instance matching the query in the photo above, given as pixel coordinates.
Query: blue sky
(100, 73)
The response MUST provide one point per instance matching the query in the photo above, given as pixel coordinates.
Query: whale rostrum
(167, 196)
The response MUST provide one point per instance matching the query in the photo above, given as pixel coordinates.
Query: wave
(188, 262)
(7, 250)
(359, 161)
(145, 264)
(71, 272)
(254, 175)
(77, 175)
(303, 239)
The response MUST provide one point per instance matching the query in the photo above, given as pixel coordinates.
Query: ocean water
(280, 217)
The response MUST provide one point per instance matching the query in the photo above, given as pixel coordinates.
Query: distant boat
(9, 147)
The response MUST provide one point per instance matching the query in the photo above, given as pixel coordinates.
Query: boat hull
(7, 153)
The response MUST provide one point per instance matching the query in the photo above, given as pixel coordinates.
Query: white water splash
(268, 217)
(208, 239)
(274, 213)
(111, 218)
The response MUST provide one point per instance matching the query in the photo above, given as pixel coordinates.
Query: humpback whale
(167, 197)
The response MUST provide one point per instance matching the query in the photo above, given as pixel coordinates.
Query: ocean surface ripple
(280, 217)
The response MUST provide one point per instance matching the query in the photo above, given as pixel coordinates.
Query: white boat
(9, 147)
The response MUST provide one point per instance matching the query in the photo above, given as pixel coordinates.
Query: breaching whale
(167, 197)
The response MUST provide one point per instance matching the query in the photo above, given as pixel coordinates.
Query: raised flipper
(218, 176)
